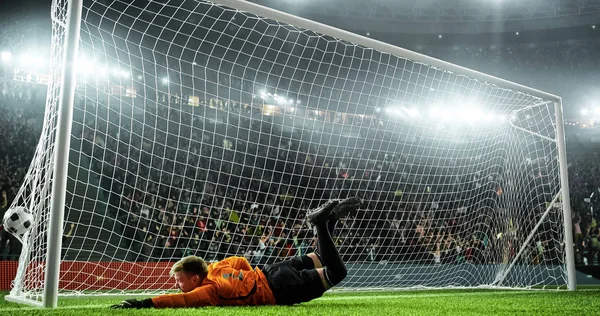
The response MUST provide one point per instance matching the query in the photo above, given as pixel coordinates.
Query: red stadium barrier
(80, 276)
(8, 270)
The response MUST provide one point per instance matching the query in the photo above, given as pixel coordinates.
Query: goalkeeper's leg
(302, 279)
(325, 218)
(335, 269)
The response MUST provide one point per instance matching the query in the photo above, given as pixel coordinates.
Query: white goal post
(210, 128)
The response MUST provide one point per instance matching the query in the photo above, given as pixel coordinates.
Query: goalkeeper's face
(187, 282)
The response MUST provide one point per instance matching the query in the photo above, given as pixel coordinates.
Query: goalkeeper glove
(133, 303)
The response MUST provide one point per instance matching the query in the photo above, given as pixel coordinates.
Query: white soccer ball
(17, 221)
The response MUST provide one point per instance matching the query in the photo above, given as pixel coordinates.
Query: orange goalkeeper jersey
(231, 281)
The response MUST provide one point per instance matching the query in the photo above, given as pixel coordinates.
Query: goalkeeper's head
(189, 273)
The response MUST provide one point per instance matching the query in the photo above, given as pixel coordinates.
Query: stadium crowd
(229, 181)
(20, 130)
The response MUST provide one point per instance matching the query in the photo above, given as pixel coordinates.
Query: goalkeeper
(232, 281)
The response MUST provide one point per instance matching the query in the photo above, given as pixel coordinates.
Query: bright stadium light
(584, 112)
(412, 112)
(471, 114)
(434, 112)
(279, 99)
(38, 61)
(102, 70)
(490, 117)
(165, 80)
(116, 71)
(393, 111)
(85, 66)
(6, 57)
(25, 60)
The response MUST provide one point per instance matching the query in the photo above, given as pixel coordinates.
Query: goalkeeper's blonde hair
(190, 264)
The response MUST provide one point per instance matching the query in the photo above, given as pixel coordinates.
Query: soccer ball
(17, 221)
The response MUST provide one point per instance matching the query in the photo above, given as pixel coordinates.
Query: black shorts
(291, 284)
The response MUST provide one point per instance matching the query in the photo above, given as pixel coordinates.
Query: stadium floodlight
(24, 59)
(38, 61)
(6, 57)
(468, 180)
(394, 111)
(412, 112)
(584, 111)
(102, 71)
(85, 66)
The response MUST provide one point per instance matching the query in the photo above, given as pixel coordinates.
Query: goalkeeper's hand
(133, 303)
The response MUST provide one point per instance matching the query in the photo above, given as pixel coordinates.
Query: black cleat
(334, 209)
(322, 213)
(345, 206)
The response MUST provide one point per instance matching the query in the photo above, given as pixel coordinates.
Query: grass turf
(441, 302)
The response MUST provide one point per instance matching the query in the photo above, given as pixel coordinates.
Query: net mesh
(199, 129)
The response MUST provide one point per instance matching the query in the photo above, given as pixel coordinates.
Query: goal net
(211, 129)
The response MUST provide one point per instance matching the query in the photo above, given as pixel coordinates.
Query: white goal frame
(65, 114)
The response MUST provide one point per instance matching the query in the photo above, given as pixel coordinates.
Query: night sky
(26, 9)
(12, 6)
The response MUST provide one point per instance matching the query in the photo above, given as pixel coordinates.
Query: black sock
(335, 270)
(331, 228)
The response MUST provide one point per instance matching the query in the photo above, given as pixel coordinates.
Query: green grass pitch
(585, 301)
